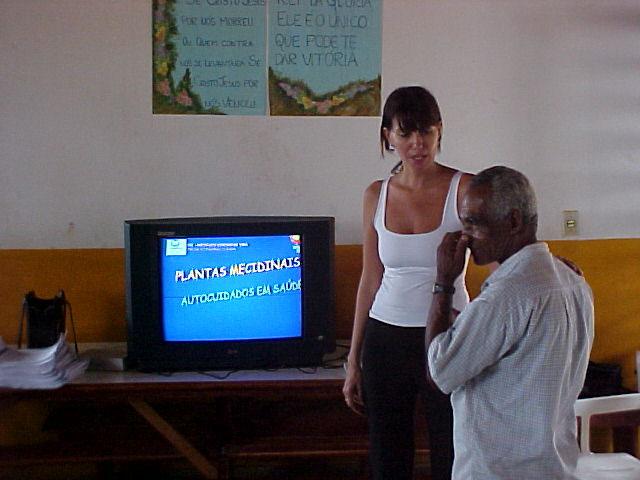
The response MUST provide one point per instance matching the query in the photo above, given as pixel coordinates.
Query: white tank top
(409, 261)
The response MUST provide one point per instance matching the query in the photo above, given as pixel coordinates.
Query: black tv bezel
(147, 349)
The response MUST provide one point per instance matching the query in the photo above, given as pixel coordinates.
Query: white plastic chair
(605, 466)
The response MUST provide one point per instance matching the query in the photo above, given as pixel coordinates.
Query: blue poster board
(209, 57)
(258, 57)
(324, 57)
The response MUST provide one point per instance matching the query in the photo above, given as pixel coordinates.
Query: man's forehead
(475, 199)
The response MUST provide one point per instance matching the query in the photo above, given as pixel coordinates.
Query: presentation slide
(231, 288)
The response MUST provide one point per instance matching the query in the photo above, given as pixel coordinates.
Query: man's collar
(506, 267)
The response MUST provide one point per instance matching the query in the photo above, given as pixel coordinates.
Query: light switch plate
(570, 222)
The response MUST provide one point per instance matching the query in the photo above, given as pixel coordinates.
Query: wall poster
(324, 57)
(209, 57)
(259, 57)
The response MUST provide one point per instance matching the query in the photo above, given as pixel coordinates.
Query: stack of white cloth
(39, 368)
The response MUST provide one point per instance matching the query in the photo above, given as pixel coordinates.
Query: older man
(516, 357)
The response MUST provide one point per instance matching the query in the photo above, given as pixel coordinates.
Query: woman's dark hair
(414, 107)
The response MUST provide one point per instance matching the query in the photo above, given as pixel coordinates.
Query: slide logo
(176, 246)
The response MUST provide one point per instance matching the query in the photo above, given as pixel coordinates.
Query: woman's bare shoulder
(373, 190)
(465, 179)
(370, 201)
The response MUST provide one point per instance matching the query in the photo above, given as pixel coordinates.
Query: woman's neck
(414, 178)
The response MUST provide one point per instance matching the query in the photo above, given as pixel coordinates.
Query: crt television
(227, 293)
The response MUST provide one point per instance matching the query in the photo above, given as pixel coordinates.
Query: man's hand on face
(451, 257)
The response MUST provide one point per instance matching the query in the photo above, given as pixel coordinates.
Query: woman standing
(405, 218)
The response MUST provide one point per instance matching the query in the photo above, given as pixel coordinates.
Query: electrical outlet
(570, 222)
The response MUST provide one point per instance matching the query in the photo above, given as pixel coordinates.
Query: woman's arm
(369, 283)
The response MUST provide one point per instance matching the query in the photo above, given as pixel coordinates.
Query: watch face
(437, 288)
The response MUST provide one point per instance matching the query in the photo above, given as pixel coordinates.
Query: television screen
(209, 293)
(231, 288)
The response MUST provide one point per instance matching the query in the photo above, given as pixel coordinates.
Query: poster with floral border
(325, 57)
(209, 57)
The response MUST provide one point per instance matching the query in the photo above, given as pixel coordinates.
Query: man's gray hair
(510, 190)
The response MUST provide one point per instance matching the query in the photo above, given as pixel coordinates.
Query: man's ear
(516, 221)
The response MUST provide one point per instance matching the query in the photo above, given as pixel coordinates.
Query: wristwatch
(439, 288)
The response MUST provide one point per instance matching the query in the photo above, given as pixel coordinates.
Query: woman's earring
(392, 147)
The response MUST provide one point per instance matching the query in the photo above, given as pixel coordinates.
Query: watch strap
(440, 288)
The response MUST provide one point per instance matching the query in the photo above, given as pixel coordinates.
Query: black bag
(46, 320)
(603, 379)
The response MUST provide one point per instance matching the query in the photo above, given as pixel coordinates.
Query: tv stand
(212, 423)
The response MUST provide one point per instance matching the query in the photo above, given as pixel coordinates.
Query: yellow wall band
(93, 280)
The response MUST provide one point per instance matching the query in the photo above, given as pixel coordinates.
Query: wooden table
(308, 404)
(142, 391)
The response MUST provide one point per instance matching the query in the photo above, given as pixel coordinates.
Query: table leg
(199, 461)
